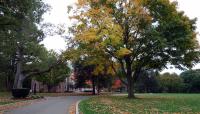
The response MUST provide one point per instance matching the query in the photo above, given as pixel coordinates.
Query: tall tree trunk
(19, 78)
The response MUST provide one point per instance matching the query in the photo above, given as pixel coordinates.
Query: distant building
(40, 87)
(70, 83)
(65, 86)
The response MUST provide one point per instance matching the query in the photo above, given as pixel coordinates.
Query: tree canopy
(55, 75)
(20, 37)
(136, 34)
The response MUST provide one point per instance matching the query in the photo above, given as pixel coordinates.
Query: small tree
(95, 70)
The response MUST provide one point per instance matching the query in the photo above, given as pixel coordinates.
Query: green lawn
(144, 104)
(5, 98)
(6, 102)
(5, 94)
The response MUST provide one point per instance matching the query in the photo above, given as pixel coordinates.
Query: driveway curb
(77, 109)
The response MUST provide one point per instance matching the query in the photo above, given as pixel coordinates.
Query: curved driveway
(53, 105)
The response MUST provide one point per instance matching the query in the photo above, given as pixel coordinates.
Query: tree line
(186, 82)
(150, 81)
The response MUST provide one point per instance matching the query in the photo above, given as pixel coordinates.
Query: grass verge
(5, 98)
(143, 104)
(5, 94)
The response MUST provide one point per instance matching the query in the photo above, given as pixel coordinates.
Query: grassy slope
(144, 104)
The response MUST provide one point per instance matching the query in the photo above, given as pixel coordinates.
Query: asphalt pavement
(53, 105)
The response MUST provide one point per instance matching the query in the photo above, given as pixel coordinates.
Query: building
(65, 86)
(70, 83)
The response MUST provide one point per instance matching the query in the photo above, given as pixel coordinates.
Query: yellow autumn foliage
(123, 52)
(110, 71)
(98, 70)
(81, 2)
(87, 36)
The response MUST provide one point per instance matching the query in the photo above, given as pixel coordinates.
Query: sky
(58, 15)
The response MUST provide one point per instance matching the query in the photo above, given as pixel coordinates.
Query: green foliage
(20, 36)
(22, 28)
(148, 82)
(55, 75)
(186, 82)
(90, 70)
(191, 80)
(6, 102)
(171, 83)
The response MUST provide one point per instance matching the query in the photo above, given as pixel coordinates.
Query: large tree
(21, 37)
(137, 34)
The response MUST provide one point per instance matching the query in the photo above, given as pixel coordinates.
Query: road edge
(77, 109)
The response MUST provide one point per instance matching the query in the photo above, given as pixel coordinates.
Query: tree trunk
(18, 76)
(34, 89)
(98, 86)
(130, 79)
(9, 82)
(68, 85)
(130, 88)
(49, 88)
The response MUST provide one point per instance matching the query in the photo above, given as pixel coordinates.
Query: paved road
(53, 105)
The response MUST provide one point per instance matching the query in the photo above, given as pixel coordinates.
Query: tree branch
(122, 66)
(39, 72)
(137, 74)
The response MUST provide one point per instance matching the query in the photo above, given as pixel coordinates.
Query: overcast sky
(58, 15)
